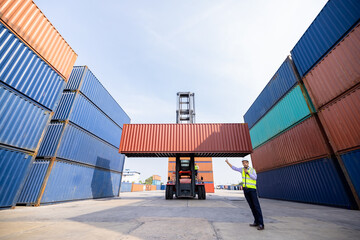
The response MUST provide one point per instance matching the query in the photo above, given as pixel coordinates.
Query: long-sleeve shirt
(252, 174)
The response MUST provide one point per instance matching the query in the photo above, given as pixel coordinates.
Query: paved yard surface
(147, 215)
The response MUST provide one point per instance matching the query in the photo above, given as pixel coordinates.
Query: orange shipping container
(209, 187)
(302, 142)
(156, 177)
(26, 20)
(207, 176)
(202, 140)
(137, 187)
(341, 120)
(204, 164)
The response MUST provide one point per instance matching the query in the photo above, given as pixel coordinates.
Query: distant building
(130, 176)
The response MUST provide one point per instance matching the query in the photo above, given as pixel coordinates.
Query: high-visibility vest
(196, 167)
(247, 181)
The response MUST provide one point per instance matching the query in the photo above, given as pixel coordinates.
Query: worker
(196, 170)
(249, 186)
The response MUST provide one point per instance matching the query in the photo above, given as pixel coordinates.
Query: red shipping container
(337, 72)
(202, 140)
(300, 143)
(341, 120)
(26, 20)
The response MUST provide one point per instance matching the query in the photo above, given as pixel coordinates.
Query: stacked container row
(314, 150)
(80, 147)
(33, 63)
(332, 78)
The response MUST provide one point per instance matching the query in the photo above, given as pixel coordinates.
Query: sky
(144, 52)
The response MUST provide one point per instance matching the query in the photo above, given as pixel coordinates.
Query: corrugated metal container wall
(352, 164)
(23, 70)
(22, 122)
(207, 176)
(204, 164)
(341, 120)
(302, 142)
(76, 108)
(26, 19)
(292, 183)
(125, 187)
(14, 167)
(84, 80)
(209, 187)
(185, 138)
(337, 72)
(289, 111)
(136, 187)
(78, 145)
(283, 80)
(332, 23)
(30, 191)
(69, 181)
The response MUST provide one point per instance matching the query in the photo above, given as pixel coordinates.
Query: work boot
(253, 224)
(261, 227)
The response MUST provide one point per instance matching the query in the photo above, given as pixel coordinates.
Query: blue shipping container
(23, 70)
(76, 108)
(30, 191)
(352, 164)
(69, 181)
(14, 166)
(291, 110)
(22, 122)
(83, 79)
(332, 23)
(67, 141)
(283, 80)
(125, 187)
(292, 183)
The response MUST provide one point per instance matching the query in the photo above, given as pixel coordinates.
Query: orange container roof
(202, 140)
(30, 24)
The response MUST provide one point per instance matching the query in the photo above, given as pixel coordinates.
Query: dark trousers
(253, 201)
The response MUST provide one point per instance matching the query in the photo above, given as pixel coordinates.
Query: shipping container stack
(305, 126)
(35, 63)
(205, 171)
(78, 158)
(157, 182)
(331, 74)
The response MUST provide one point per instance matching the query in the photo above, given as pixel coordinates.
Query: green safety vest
(247, 181)
(196, 167)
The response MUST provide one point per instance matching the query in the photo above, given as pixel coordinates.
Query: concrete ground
(147, 215)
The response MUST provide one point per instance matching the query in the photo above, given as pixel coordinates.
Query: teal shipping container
(292, 109)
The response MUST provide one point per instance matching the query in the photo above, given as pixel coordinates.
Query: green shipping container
(292, 109)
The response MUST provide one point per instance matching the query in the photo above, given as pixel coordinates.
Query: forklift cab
(185, 184)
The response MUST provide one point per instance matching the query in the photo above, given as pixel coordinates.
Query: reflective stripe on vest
(247, 181)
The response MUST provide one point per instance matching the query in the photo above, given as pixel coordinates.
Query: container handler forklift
(185, 184)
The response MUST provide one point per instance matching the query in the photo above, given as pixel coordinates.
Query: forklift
(185, 184)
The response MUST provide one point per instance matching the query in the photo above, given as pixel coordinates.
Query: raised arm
(228, 163)
(233, 167)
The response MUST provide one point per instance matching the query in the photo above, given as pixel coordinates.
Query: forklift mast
(185, 177)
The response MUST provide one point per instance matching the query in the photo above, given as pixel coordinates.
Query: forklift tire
(200, 192)
(169, 193)
(204, 193)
